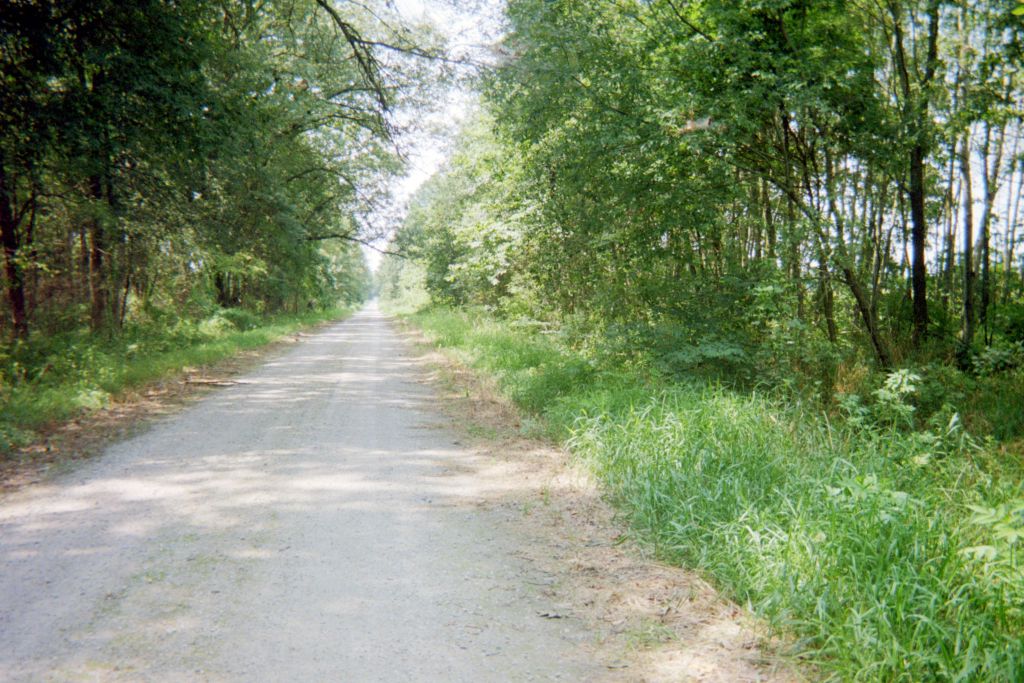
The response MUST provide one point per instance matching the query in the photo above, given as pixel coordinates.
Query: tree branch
(352, 238)
(362, 51)
(689, 24)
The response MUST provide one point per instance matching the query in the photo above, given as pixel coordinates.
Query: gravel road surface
(308, 523)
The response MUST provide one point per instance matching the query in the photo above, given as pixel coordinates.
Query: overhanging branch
(362, 51)
(352, 238)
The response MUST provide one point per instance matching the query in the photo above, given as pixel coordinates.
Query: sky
(469, 26)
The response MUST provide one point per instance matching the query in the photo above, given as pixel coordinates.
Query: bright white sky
(470, 27)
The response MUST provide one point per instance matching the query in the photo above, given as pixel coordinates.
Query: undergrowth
(51, 378)
(882, 549)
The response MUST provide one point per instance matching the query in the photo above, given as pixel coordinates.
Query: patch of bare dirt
(655, 623)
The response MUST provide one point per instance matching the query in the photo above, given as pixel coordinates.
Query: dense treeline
(163, 159)
(780, 187)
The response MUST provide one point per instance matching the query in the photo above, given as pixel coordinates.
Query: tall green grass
(48, 379)
(881, 554)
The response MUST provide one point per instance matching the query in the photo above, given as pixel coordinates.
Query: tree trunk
(916, 108)
(98, 295)
(769, 220)
(867, 314)
(83, 283)
(867, 311)
(918, 235)
(30, 280)
(1011, 235)
(947, 257)
(793, 251)
(967, 337)
(12, 270)
(828, 307)
(122, 310)
(991, 168)
(221, 285)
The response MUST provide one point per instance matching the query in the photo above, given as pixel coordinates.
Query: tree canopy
(794, 182)
(172, 156)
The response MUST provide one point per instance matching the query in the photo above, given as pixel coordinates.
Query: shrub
(242, 319)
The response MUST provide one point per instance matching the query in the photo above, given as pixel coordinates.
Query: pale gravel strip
(302, 525)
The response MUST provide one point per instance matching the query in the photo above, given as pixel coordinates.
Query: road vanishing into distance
(311, 522)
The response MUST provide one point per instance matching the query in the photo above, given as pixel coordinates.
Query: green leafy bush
(1009, 319)
(999, 357)
(241, 318)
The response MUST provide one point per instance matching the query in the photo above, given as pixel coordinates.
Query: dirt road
(309, 523)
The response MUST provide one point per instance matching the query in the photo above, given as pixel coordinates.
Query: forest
(853, 171)
(759, 264)
(172, 172)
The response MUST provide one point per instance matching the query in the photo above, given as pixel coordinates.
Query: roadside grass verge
(55, 378)
(880, 553)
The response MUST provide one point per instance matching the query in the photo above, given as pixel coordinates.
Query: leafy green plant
(853, 537)
(242, 319)
(892, 400)
(1005, 523)
(999, 557)
(998, 358)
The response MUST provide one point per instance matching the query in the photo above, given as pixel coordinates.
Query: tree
(160, 154)
(663, 162)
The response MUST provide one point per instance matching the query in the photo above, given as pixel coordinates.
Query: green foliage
(881, 552)
(458, 229)
(891, 404)
(845, 539)
(999, 358)
(56, 377)
(173, 178)
(194, 155)
(732, 177)
(1010, 320)
(241, 319)
(401, 286)
(710, 209)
